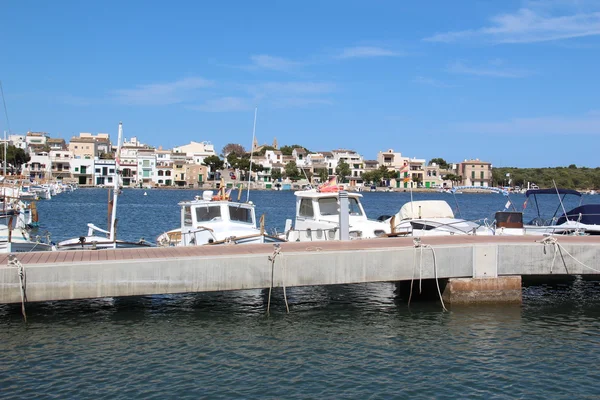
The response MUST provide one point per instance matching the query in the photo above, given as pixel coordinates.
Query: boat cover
(552, 191)
(590, 215)
(425, 209)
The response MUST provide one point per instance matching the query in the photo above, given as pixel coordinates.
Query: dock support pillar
(503, 289)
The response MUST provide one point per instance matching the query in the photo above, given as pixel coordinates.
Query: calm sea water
(351, 341)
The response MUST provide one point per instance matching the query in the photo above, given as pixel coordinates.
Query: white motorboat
(433, 218)
(584, 219)
(94, 240)
(318, 217)
(215, 219)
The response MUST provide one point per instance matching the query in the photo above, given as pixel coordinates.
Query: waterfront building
(475, 172)
(197, 151)
(102, 141)
(195, 175)
(146, 166)
(60, 161)
(104, 172)
(19, 141)
(128, 167)
(83, 147)
(354, 160)
(164, 168)
(57, 144)
(39, 166)
(82, 171)
(178, 172)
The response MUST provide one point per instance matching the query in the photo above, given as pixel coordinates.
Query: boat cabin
(318, 217)
(204, 220)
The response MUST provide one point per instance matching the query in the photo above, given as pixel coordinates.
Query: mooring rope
(552, 240)
(13, 261)
(272, 258)
(421, 246)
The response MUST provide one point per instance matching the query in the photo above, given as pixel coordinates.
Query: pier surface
(80, 274)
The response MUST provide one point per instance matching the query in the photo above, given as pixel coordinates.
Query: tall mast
(113, 221)
(251, 155)
(4, 164)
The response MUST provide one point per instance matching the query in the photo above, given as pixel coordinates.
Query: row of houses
(89, 160)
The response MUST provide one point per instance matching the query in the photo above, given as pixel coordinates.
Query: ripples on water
(350, 341)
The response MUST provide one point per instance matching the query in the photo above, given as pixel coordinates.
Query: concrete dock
(479, 268)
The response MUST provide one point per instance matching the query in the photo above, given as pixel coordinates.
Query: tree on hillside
(233, 148)
(291, 171)
(214, 163)
(323, 174)
(276, 174)
(287, 150)
(15, 156)
(342, 170)
(440, 162)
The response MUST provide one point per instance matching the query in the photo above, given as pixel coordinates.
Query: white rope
(418, 244)
(554, 241)
(13, 261)
(272, 260)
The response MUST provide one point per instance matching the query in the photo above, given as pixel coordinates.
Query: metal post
(344, 216)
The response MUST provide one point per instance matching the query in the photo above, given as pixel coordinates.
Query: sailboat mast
(113, 221)
(251, 155)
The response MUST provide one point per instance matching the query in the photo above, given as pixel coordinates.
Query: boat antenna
(5, 110)
(251, 154)
(560, 200)
(113, 223)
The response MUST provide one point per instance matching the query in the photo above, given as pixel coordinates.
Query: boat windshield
(240, 214)
(208, 213)
(329, 206)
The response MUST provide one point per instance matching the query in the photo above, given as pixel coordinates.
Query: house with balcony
(178, 172)
(19, 141)
(39, 167)
(195, 175)
(57, 144)
(197, 151)
(146, 166)
(83, 147)
(475, 172)
(36, 141)
(60, 161)
(356, 163)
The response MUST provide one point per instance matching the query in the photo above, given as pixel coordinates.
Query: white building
(104, 172)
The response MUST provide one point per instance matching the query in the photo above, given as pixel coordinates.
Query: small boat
(433, 218)
(215, 219)
(584, 219)
(95, 241)
(318, 217)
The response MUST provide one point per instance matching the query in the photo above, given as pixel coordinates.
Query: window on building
(97, 170)
(472, 174)
(481, 174)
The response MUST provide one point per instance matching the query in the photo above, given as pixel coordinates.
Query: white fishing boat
(214, 219)
(318, 217)
(98, 238)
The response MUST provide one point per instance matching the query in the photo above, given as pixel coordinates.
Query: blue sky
(515, 83)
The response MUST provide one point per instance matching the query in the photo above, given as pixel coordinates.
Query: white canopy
(425, 209)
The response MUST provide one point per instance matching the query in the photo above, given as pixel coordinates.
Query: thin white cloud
(491, 70)
(300, 102)
(291, 88)
(224, 104)
(367, 52)
(529, 25)
(588, 124)
(265, 61)
(423, 80)
(157, 94)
